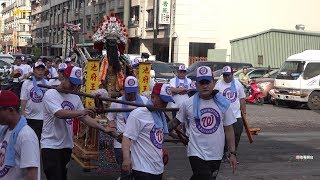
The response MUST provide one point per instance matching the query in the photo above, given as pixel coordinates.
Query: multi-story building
(48, 19)
(210, 24)
(16, 18)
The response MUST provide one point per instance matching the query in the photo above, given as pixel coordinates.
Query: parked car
(6, 61)
(175, 66)
(254, 73)
(163, 72)
(214, 66)
(266, 84)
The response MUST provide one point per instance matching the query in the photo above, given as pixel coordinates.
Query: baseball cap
(74, 74)
(192, 87)
(204, 73)
(8, 98)
(136, 62)
(182, 68)
(39, 63)
(131, 84)
(67, 60)
(62, 66)
(164, 91)
(227, 70)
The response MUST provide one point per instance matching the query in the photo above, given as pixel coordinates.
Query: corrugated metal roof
(309, 33)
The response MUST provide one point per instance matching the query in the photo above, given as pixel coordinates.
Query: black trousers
(138, 175)
(238, 129)
(204, 170)
(55, 162)
(36, 125)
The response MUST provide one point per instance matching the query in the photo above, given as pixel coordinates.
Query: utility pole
(171, 30)
(126, 15)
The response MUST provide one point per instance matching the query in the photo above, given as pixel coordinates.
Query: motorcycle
(254, 94)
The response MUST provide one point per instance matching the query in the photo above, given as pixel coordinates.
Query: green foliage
(36, 52)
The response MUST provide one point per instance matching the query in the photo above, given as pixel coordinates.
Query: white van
(298, 80)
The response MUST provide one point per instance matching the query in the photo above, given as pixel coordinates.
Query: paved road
(286, 133)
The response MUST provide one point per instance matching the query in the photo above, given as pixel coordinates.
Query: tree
(36, 52)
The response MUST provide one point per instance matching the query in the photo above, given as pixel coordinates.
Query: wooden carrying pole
(152, 108)
(246, 126)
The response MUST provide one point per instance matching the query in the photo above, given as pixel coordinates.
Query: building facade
(195, 26)
(48, 19)
(16, 37)
(272, 47)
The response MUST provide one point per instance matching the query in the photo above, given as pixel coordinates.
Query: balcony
(11, 18)
(9, 8)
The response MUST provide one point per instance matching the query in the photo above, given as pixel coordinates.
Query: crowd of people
(37, 122)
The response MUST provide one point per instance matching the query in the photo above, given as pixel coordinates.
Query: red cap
(8, 98)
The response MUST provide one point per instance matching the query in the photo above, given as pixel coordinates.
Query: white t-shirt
(28, 68)
(224, 89)
(177, 97)
(206, 136)
(27, 154)
(146, 144)
(22, 69)
(52, 74)
(119, 119)
(58, 133)
(34, 107)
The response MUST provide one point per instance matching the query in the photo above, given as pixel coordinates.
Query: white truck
(298, 80)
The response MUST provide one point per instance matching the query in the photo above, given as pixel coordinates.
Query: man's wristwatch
(232, 152)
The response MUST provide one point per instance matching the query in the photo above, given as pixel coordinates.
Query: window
(22, 27)
(150, 19)
(200, 49)
(312, 70)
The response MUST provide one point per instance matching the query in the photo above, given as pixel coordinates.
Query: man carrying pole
(210, 120)
(144, 134)
(57, 133)
(119, 119)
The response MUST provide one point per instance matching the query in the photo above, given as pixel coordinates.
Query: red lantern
(90, 37)
(124, 30)
(112, 14)
(94, 31)
(108, 17)
(129, 40)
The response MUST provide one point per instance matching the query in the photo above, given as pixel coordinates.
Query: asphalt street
(280, 150)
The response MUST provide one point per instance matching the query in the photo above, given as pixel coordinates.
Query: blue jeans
(119, 158)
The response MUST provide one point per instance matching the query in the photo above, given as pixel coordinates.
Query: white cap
(204, 73)
(68, 59)
(62, 66)
(182, 68)
(136, 62)
(131, 84)
(164, 91)
(227, 70)
(75, 74)
(39, 63)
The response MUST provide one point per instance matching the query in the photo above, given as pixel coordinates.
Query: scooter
(254, 94)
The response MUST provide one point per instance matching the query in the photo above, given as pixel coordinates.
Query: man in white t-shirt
(60, 69)
(53, 74)
(19, 146)
(144, 134)
(31, 98)
(19, 72)
(179, 87)
(233, 90)
(57, 132)
(119, 119)
(209, 118)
